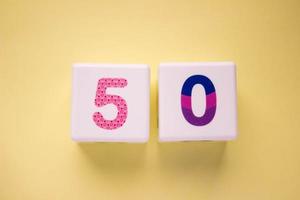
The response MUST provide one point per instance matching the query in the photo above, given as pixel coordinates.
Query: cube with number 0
(197, 101)
(110, 102)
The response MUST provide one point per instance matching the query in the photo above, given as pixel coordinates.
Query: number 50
(102, 99)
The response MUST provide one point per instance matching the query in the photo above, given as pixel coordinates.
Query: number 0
(186, 99)
(102, 99)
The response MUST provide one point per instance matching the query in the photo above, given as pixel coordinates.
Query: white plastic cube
(110, 102)
(197, 101)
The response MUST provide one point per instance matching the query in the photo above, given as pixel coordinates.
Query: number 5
(103, 99)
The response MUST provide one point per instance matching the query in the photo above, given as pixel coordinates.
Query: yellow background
(39, 40)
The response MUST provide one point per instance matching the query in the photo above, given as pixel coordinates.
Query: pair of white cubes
(197, 101)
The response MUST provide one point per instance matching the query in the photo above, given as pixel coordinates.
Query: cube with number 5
(110, 102)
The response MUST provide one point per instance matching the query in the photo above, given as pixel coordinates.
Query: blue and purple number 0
(186, 100)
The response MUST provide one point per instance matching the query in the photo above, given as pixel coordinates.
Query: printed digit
(103, 99)
(186, 100)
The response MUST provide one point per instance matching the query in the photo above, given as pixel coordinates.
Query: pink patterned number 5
(103, 99)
